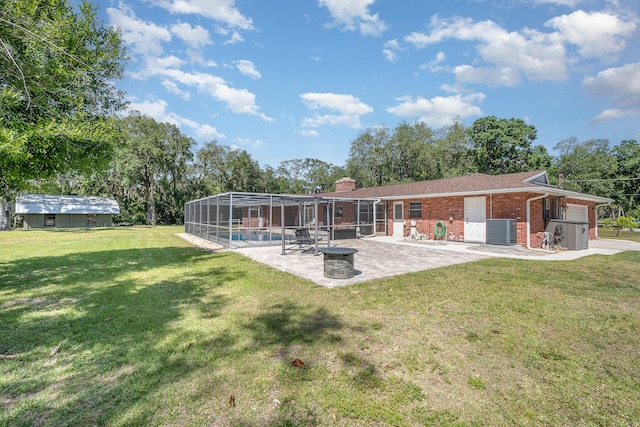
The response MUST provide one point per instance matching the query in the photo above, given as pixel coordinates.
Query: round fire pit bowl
(338, 262)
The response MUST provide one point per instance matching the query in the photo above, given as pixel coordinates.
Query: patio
(383, 257)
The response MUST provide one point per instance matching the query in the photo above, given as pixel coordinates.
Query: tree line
(155, 169)
(62, 132)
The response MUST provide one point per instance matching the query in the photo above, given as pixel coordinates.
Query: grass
(136, 327)
(610, 233)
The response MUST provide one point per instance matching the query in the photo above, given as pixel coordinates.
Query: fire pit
(338, 262)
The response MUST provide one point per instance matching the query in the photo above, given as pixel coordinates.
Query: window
(415, 210)
(49, 220)
(366, 212)
(338, 211)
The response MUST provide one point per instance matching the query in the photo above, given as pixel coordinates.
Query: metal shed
(49, 211)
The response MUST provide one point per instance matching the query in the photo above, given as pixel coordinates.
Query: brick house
(465, 208)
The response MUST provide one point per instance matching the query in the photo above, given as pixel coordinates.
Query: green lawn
(610, 233)
(133, 326)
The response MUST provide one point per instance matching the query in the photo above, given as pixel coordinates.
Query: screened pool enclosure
(235, 220)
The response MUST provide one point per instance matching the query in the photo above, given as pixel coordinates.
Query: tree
(367, 157)
(307, 176)
(586, 166)
(410, 153)
(453, 152)
(57, 95)
(503, 145)
(153, 157)
(627, 184)
(621, 223)
(221, 169)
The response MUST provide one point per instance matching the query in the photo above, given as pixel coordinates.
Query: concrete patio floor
(383, 257)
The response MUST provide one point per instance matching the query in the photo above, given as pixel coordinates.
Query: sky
(291, 79)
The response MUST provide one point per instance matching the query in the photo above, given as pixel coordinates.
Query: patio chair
(302, 237)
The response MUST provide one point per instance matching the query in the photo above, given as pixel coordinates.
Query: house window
(366, 212)
(546, 211)
(415, 210)
(338, 211)
(92, 220)
(49, 220)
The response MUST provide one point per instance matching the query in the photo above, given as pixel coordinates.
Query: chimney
(345, 184)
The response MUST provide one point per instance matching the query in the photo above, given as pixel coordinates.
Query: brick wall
(499, 206)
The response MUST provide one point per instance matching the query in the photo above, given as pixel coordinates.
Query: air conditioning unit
(501, 232)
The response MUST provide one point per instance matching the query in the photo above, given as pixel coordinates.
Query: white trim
(529, 217)
(541, 190)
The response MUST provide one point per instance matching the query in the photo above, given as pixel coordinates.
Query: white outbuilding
(48, 211)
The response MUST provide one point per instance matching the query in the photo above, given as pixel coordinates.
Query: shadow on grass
(86, 330)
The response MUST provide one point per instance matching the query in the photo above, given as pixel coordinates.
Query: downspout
(529, 217)
(599, 206)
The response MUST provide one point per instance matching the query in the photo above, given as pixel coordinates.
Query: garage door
(576, 213)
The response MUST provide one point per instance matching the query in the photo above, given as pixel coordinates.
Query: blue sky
(287, 79)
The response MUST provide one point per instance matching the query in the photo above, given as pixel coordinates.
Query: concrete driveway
(382, 257)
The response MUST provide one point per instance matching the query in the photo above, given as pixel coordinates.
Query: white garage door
(576, 213)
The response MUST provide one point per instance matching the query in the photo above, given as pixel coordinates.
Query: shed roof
(477, 183)
(48, 204)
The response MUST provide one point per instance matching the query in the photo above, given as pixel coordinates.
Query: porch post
(282, 225)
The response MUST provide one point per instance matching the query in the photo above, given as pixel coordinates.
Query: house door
(475, 218)
(398, 219)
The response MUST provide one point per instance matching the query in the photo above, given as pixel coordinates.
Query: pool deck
(384, 257)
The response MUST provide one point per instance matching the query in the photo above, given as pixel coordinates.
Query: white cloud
(354, 14)
(223, 11)
(196, 37)
(570, 3)
(235, 38)
(439, 111)
(615, 114)
(623, 85)
(391, 49)
(173, 88)
(157, 110)
(247, 142)
(348, 108)
(247, 68)
(141, 36)
(434, 65)
(597, 34)
(207, 132)
(239, 101)
(508, 55)
(309, 132)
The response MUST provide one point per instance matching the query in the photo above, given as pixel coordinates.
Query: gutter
(529, 218)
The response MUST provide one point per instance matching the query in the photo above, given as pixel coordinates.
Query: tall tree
(503, 145)
(627, 184)
(410, 153)
(368, 157)
(222, 168)
(453, 152)
(153, 153)
(586, 166)
(57, 94)
(306, 176)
